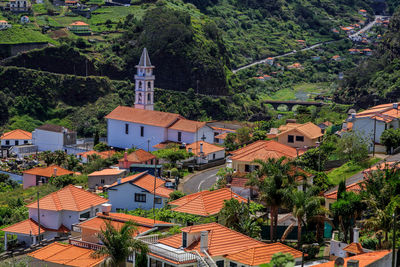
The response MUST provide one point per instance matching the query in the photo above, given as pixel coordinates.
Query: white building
(138, 192)
(372, 122)
(15, 138)
(142, 127)
(58, 211)
(4, 25)
(53, 137)
(205, 152)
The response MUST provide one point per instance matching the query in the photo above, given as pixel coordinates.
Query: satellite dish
(339, 261)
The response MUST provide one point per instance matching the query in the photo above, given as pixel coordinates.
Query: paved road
(201, 181)
(365, 28)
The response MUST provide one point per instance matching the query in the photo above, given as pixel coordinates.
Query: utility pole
(373, 150)
(148, 145)
(38, 213)
(154, 192)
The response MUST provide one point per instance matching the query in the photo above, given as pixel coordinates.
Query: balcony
(77, 241)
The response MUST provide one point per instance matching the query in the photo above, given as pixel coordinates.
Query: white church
(143, 127)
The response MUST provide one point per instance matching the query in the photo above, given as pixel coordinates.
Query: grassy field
(349, 169)
(20, 34)
(301, 91)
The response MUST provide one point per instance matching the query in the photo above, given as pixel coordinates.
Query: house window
(25, 141)
(220, 263)
(247, 168)
(232, 264)
(7, 142)
(141, 131)
(85, 215)
(179, 136)
(102, 181)
(126, 128)
(214, 156)
(184, 239)
(290, 139)
(16, 142)
(158, 200)
(140, 197)
(299, 138)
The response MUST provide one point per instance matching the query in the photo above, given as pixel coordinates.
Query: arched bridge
(291, 103)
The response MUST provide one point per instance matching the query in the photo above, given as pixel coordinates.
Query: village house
(84, 156)
(79, 28)
(270, 61)
(354, 51)
(380, 258)
(18, 6)
(205, 203)
(222, 129)
(143, 127)
(242, 159)
(324, 125)
(362, 12)
(139, 156)
(15, 138)
(371, 123)
(344, 250)
(301, 43)
(138, 191)
(42, 175)
(336, 58)
(205, 152)
(104, 177)
(316, 58)
(299, 135)
(367, 52)
(58, 211)
(295, 66)
(24, 19)
(50, 137)
(331, 196)
(224, 246)
(4, 25)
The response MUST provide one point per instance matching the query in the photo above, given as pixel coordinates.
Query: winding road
(262, 61)
(202, 181)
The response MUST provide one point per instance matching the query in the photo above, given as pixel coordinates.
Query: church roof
(144, 59)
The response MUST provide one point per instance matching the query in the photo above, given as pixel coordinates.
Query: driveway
(201, 181)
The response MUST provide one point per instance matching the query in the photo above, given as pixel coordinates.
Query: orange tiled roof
(187, 125)
(207, 148)
(147, 117)
(17, 134)
(139, 156)
(165, 144)
(146, 181)
(79, 23)
(69, 198)
(354, 248)
(222, 136)
(107, 172)
(139, 220)
(67, 255)
(262, 254)
(103, 154)
(385, 112)
(30, 227)
(48, 171)
(98, 224)
(3, 21)
(364, 260)
(382, 166)
(263, 150)
(356, 188)
(221, 240)
(308, 129)
(205, 203)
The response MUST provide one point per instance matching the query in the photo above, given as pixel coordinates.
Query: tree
(230, 142)
(119, 243)
(172, 155)
(390, 138)
(176, 195)
(280, 260)
(62, 181)
(243, 135)
(100, 147)
(353, 146)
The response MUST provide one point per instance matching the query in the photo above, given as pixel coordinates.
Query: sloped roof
(144, 59)
(30, 227)
(221, 240)
(308, 129)
(67, 255)
(384, 112)
(187, 125)
(142, 116)
(107, 172)
(263, 150)
(364, 260)
(17, 134)
(103, 154)
(54, 128)
(146, 181)
(205, 203)
(207, 148)
(137, 219)
(139, 156)
(262, 254)
(165, 144)
(354, 248)
(69, 198)
(356, 188)
(222, 136)
(98, 224)
(78, 23)
(48, 171)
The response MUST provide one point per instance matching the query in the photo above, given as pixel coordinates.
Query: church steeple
(144, 83)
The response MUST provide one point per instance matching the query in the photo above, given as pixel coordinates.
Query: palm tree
(119, 243)
(272, 179)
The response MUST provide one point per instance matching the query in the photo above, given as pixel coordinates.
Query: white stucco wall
(47, 140)
(117, 137)
(48, 218)
(123, 197)
(12, 142)
(189, 137)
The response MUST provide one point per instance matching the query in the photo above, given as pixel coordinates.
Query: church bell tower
(144, 83)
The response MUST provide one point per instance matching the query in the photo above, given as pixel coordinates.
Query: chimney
(352, 263)
(106, 208)
(395, 105)
(119, 181)
(356, 235)
(201, 147)
(203, 241)
(55, 172)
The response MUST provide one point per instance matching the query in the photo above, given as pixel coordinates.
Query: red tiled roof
(98, 224)
(364, 260)
(262, 254)
(139, 156)
(207, 148)
(146, 181)
(139, 220)
(356, 188)
(205, 203)
(147, 117)
(30, 227)
(103, 154)
(222, 136)
(107, 172)
(187, 125)
(17, 135)
(48, 171)
(384, 112)
(69, 198)
(165, 144)
(263, 150)
(79, 23)
(67, 255)
(308, 129)
(354, 248)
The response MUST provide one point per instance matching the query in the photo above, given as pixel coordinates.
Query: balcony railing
(148, 239)
(180, 256)
(76, 241)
